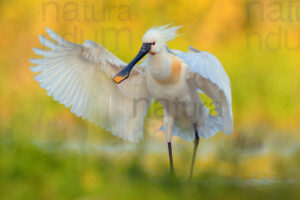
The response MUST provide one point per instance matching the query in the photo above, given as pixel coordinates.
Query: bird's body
(81, 77)
(166, 81)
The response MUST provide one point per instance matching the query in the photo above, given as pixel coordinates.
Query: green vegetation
(31, 172)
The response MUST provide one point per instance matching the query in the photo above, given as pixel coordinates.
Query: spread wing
(80, 77)
(208, 75)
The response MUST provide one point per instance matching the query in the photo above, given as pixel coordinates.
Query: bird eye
(153, 43)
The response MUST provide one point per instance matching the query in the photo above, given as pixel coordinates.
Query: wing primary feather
(79, 76)
(59, 39)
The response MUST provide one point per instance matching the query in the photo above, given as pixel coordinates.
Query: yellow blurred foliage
(243, 35)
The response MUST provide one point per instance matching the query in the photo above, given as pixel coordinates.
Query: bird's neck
(159, 65)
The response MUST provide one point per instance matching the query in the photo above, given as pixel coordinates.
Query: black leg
(171, 158)
(196, 142)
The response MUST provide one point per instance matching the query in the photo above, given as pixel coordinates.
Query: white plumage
(81, 77)
(209, 76)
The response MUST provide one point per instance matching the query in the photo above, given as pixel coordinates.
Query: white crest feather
(166, 32)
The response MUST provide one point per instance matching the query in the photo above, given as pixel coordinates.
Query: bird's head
(154, 41)
(158, 37)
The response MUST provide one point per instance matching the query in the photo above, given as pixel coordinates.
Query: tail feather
(185, 130)
(210, 128)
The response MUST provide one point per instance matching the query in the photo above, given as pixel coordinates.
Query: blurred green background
(48, 153)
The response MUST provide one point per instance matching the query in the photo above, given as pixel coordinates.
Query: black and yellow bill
(125, 72)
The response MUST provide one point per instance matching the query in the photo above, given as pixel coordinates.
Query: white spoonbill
(91, 81)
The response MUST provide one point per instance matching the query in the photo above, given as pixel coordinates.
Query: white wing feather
(208, 75)
(80, 77)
